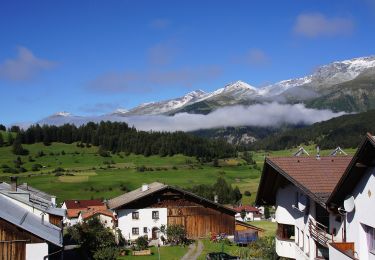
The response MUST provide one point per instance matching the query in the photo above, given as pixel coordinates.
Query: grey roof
(26, 220)
(32, 197)
(154, 187)
(36, 192)
(135, 194)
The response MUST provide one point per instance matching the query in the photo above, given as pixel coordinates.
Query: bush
(247, 193)
(176, 234)
(106, 253)
(141, 243)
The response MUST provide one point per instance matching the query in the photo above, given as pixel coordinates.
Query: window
(135, 215)
(285, 232)
(297, 236)
(303, 240)
(155, 215)
(135, 231)
(145, 230)
(307, 245)
(370, 237)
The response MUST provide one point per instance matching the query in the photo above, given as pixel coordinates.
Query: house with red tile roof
(75, 207)
(299, 188)
(251, 213)
(106, 216)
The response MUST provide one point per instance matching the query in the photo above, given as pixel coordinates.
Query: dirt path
(195, 250)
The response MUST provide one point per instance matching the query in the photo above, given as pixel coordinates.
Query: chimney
(13, 183)
(145, 187)
(53, 200)
(318, 152)
(216, 199)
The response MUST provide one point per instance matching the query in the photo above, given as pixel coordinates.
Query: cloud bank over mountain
(267, 114)
(271, 114)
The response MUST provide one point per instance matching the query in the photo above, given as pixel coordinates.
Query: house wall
(104, 219)
(126, 223)
(363, 214)
(303, 246)
(36, 251)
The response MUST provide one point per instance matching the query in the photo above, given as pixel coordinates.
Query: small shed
(246, 233)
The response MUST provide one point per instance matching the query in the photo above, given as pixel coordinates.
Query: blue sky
(91, 57)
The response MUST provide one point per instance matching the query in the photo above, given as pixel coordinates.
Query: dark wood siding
(55, 220)
(13, 241)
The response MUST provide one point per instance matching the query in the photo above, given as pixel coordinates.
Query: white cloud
(313, 25)
(24, 67)
(270, 114)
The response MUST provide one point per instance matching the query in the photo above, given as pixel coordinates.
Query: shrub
(247, 193)
(176, 234)
(141, 243)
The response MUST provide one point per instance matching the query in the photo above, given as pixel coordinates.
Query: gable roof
(86, 214)
(154, 187)
(245, 224)
(26, 220)
(315, 177)
(81, 204)
(363, 158)
(247, 208)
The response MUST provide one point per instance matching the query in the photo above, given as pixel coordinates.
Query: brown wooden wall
(13, 241)
(200, 221)
(55, 220)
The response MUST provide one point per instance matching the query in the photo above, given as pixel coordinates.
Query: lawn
(268, 226)
(210, 246)
(166, 252)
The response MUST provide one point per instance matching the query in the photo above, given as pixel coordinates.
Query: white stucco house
(299, 188)
(324, 205)
(251, 213)
(75, 207)
(354, 199)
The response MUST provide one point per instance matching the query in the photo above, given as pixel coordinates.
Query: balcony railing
(319, 233)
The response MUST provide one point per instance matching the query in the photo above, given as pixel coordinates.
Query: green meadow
(87, 175)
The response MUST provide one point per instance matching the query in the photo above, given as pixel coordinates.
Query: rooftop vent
(145, 187)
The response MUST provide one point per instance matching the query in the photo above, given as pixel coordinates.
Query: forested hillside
(119, 137)
(344, 131)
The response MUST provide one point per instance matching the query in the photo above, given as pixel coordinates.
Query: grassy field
(88, 175)
(268, 226)
(91, 176)
(166, 252)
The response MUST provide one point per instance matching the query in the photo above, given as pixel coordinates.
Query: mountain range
(340, 86)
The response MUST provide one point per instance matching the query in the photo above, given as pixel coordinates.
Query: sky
(92, 57)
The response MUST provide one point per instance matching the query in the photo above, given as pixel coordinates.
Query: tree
(1, 140)
(243, 214)
(17, 148)
(10, 138)
(95, 240)
(15, 129)
(267, 214)
(2, 127)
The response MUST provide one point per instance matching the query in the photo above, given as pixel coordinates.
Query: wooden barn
(24, 236)
(144, 211)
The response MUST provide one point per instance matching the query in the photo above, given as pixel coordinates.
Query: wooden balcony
(319, 233)
(346, 248)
